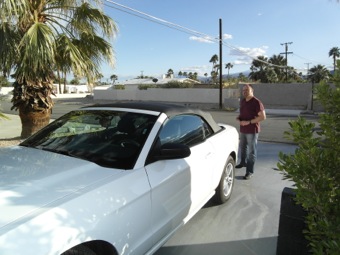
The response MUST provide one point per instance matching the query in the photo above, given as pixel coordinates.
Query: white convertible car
(112, 179)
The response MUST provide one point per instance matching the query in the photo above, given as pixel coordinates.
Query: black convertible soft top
(169, 109)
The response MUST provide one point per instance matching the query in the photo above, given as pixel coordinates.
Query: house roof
(160, 81)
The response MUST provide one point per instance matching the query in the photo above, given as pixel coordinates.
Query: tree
(35, 37)
(279, 62)
(169, 73)
(229, 66)
(214, 60)
(113, 78)
(334, 53)
(241, 77)
(258, 69)
(214, 75)
(314, 169)
(318, 73)
(75, 81)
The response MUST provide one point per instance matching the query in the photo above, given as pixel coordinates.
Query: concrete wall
(274, 96)
(185, 95)
(284, 96)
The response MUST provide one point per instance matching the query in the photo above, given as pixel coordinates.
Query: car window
(107, 138)
(185, 129)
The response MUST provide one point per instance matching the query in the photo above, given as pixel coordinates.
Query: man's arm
(260, 117)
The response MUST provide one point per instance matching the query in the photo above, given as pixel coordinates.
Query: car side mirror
(172, 151)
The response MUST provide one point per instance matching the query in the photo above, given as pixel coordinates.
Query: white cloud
(205, 39)
(209, 39)
(243, 61)
(201, 70)
(250, 52)
(227, 37)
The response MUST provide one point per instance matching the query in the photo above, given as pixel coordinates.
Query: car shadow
(260, 246)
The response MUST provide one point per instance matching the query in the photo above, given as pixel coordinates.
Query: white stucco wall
(285, 96)
(167, 95)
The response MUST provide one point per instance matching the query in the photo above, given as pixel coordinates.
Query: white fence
(184, 95)
(274, 96)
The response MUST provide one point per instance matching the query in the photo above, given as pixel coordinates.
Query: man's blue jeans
(248, 149)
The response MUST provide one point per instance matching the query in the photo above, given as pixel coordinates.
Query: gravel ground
(9, 142)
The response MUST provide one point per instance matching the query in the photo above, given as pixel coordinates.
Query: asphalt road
(273, 127)
(248, 222)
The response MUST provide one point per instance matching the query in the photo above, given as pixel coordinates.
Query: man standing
(251, 114)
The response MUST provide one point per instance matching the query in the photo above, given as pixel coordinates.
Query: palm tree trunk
(33, 121)
(65, 89)
(59, 81)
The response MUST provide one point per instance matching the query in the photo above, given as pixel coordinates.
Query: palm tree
(229, 66)
(39, 37)
(214, 60)
(318, 73)
(279, 62)
(258, 69)
(334, 53)
(113, 78)
(214, 75)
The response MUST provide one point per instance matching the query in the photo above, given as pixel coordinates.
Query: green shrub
(4, 82)
(147, 86)
(121, 87)
(177, 84)
(2, 116)
(315, 170)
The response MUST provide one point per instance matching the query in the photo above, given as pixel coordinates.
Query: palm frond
(37, 50)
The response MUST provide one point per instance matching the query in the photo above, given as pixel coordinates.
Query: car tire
(91, 249)
(226, 185)
(80, 250)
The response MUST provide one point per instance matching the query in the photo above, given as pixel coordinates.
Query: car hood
(32, 181)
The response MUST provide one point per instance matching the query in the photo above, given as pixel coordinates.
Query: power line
(160, 21)
(151, 18)
(168, 24)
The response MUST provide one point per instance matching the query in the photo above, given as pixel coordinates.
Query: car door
(180, 187)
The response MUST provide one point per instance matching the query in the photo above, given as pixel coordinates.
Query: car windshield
(108, 138)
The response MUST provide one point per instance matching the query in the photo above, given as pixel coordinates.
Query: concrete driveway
(247, 223)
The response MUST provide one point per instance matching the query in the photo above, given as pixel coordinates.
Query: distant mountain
(225, 76)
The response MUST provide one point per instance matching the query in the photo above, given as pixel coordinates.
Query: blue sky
(256, 27)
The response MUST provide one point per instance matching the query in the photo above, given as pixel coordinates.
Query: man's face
(247, 91)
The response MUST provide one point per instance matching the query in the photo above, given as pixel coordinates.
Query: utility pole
(221, 83)
(307, 69)
(312, 97)
(286, 54)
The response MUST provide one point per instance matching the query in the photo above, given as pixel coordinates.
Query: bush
(147, 86)
(177, 84)
(315, 170)
(121, 87)
(4, 82)
(2, 116)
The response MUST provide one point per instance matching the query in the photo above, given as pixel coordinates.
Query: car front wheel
(225, 187)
